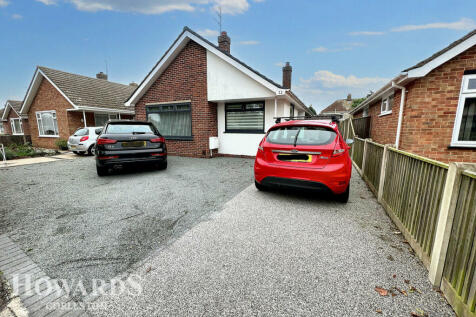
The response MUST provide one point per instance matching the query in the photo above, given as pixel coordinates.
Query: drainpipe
(400, 113)
(275, 107)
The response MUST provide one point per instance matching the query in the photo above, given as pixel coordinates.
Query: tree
(357, 101)
(312, 110)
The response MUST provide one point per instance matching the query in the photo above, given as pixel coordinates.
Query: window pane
(245, 120)
(467, 131)
(253, 106)
(234, 107)
(315, 136)
(172, 123)
(48, 123)
(472, 83)
(101, 119)
(81, 132)
(390, 103)
(283, 135)
(121, 128)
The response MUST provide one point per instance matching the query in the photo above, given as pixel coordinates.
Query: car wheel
(259, 186)
(102, 171)
(162, 166)
(92, 150)
(344, 197)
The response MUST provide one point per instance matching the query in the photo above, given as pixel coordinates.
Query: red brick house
(12, 122)
(340, 106)
(57, 103)
(207, 102)
(430, 108)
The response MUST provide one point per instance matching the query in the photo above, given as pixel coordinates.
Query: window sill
(49, 136)
(386, 113)
(179, 138)
(17, 134)
(244, 132)
(453, 146)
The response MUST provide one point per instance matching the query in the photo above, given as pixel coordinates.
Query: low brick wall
(14, 139)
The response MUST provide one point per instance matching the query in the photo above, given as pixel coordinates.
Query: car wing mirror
(98, 131)
(349, 141)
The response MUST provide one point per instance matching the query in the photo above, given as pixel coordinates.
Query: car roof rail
(333, 117)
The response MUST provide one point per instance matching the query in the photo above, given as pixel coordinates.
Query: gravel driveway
(74, 224)
(279, 254)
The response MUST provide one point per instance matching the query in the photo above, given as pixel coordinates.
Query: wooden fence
(434, 205)
(362, 127)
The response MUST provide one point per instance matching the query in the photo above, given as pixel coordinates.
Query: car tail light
(338, 150)
(157, 140)
(106, 141)
(84, 138)
(108, 157)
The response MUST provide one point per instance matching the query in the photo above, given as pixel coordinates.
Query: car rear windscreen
(129, 129)
(81, 132)
(301, 136)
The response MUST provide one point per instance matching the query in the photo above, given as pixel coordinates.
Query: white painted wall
(225, 82)
(246, 143)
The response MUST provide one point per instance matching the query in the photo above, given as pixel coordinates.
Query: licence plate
(134, 144)
(73, 147)
(304, 158)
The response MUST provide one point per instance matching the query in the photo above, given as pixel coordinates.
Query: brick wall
(186, 79)
(430, 111)
(48, 98)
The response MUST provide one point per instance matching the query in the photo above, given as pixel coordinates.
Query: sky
(335, 47)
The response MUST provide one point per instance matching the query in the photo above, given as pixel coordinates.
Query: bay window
(17, 126)
(464, 130)
(245, 117)
(174, 121)
(47, 123)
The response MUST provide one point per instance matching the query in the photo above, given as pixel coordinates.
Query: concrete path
(37, 160)
(271, 253)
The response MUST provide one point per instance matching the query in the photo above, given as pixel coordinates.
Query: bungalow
(340, 106)
(57, 103)
(430, 108)
(12, 122)
(207, 102)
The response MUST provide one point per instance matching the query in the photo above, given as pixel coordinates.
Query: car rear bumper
(335, 177)
(111, 160)
(77, 147)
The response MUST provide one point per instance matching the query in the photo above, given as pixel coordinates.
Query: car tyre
(344, 197)
(162, 165)
(92, 150)
(102, 171)
(259, 186)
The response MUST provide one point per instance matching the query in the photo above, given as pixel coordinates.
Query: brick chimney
(224, 42)
(287, 72)
(349, 97)
(101, 75)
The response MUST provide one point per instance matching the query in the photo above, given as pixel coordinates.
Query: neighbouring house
(201, 97)
(430, 108)
(57, 103)
(340, 106)
(2, 129)
(12, 122)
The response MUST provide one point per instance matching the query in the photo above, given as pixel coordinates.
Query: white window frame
(2, 129)
(12, 125)
(38, 113)
(464, 93)
(384, 110)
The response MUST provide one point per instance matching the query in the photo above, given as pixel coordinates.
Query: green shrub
(25, 150)
(62, 144)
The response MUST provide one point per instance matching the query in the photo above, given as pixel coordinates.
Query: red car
(304, 154)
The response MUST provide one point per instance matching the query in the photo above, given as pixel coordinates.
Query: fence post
(383, 168)
(363, 157)
(445, 222)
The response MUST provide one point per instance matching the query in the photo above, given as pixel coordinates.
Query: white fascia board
(32, 90)
(6, 111)
(175, 49)
(443, 58)
(96, 109)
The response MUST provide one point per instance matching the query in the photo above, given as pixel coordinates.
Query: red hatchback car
(304, 154)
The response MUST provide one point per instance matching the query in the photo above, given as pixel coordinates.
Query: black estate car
(129, 142)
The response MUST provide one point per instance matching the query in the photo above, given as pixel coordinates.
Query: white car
(83, 141)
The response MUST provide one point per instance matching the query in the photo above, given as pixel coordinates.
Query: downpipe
(400, 113)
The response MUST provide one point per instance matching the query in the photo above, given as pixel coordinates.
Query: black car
(129, 142)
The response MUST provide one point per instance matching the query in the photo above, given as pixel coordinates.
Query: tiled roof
(16, 105)
(341, 105)
(90, 92)
(439, 53)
